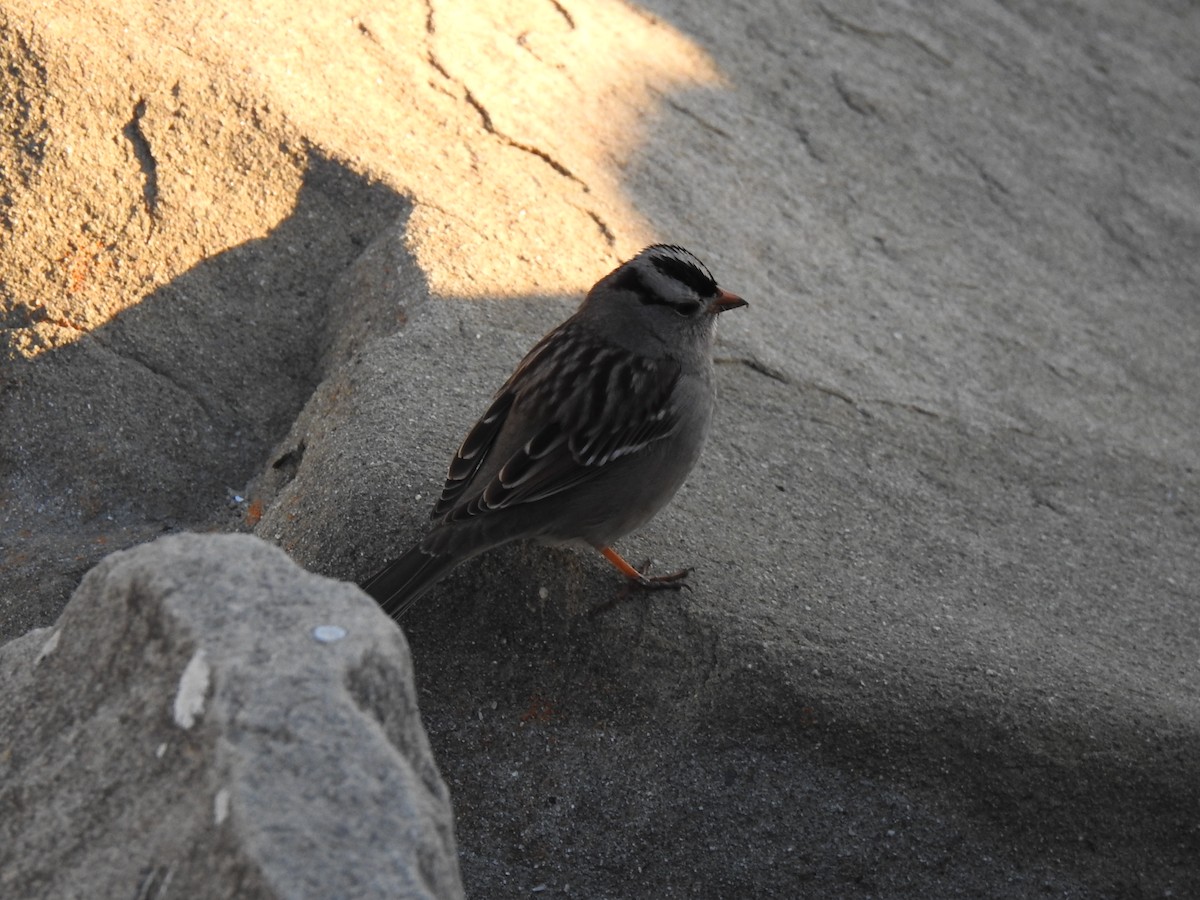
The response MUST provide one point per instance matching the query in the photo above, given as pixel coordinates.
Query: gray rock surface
(185, 730)
(943, 639)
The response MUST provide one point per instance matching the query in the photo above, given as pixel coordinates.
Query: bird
(592, 434)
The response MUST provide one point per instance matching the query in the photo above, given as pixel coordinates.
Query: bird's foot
(648, 582)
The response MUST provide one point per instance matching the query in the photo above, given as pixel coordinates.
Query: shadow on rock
(155, 421)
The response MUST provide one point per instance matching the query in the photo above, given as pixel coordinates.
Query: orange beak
(724, 302)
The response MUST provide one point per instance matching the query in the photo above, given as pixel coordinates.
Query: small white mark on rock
(328, 634)
(543, 593)
(161, 750)
(193, 685)
(49, 647)
(221, 806)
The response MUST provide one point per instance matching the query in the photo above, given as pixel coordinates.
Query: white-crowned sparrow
(591, 435)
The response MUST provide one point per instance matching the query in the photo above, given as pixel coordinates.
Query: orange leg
(639, 577)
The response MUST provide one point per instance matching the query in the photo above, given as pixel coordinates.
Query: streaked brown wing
(593, 403)
(473, 452)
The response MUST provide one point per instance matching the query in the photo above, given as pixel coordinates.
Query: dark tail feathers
(401, 582)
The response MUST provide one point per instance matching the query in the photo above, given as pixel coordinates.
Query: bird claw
(645, 582)
(672, 582)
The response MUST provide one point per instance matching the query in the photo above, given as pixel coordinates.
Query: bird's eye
(687, 307)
